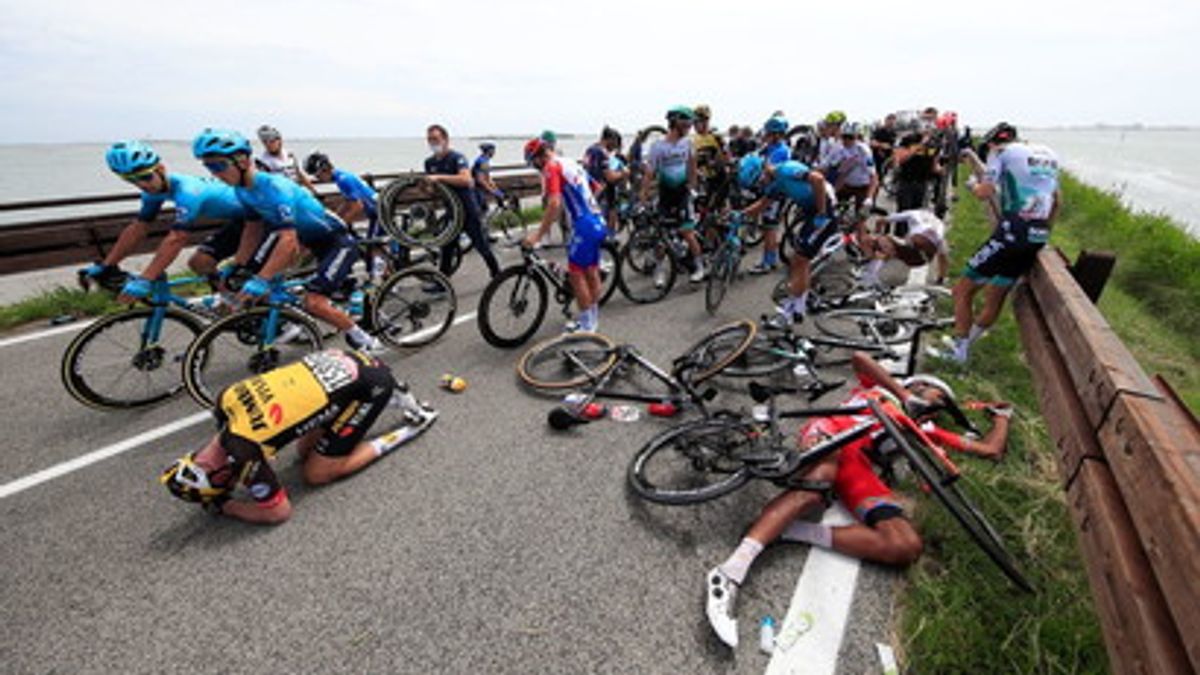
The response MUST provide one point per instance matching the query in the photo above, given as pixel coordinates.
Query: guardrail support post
(1091, 270)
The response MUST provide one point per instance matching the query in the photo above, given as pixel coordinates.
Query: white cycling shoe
(720, 592)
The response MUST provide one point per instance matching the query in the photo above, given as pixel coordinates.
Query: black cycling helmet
(316, 163)
(487, 147)
(1001, 133)
(610, 134)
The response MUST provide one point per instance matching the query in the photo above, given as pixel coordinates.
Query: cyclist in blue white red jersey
(792, 181)
(297, 218)
(774, 152)
(194, 199)
(566, 185)
(1025, 176)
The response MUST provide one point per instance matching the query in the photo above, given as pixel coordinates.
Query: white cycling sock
(358, 335)
(743, 557)
(809, 533)
(871, 271)
(976, 333)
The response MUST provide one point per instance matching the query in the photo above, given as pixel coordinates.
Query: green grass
(56, 302)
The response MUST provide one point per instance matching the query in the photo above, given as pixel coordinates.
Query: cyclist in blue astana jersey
(194, 199)
(359, 202)
(297, 218)
(792, 181)
(774, 152)
(672, 164)
(566, 185)
(1025, 176)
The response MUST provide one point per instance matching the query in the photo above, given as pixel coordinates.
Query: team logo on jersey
(275, 414)
(331, 370)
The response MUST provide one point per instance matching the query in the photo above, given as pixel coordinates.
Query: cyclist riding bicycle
(1025, 175)
(808, 190)
(672, 165)
(566, 185)
(883, 533)
(298, 219)
(359, 201)
(775, 152)
(194, 199)
(327, 401)
(914, 237)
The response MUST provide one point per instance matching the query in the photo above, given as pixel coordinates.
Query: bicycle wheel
(237, 347)
(764, 357)
(507, 219)
(693, 462)
(865, 328)
(129, 360)
(751, 233)
(648, 269)
(720, 348)
(610, 270)
(915, 301)
(948, 490)
(720, 277)
(413, 308)
(512, 307)
(421, 213)
(567, 361)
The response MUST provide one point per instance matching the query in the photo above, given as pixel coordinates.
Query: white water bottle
(766, 634)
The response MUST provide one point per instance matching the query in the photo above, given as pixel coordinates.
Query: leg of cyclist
(583, 257)
(338, 449)
(771, 233)
(336, 259)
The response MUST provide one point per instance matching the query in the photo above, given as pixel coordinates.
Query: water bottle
(766, 634)
(356, 304)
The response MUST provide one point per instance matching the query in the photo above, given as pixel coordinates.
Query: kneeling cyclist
(883, 534)
(807, 189)
(298, 218)
(194, 199)
(327, 402)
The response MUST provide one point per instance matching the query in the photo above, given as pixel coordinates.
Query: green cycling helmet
(835, 117)
(681, 112)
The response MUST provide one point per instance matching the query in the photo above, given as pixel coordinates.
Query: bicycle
(420, 213)
(410, 309)
(505, 216)
(514, 302)
(128, 359)
(706, 459)
(723, 264)
(590, 362)
(651, 258)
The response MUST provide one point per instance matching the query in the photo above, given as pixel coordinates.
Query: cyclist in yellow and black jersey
(711, 159)
(327, 401)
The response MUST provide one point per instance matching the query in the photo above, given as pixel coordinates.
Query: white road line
(812, 629)
(64, 468)
(29, 337)
(22, 484)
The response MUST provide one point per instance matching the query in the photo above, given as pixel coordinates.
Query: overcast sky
(97, 71)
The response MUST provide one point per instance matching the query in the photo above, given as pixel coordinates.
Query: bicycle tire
(683, 439)
(420, 213)
(84, 389)
(593, 348)
(610, 271)
(865, 328)
(507, 219)
(720, 277)
(204, 383)
(641, 258)
(949, 492)
(764, 357)
(493, 304)
(413, 308)
(720, 348)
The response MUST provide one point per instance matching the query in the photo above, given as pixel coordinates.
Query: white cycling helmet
(930, 381)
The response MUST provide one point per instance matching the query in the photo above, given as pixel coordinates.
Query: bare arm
(351, 211)
(549, 217)
(817, 181)
(869, 370)
(133, 234)
(993, 442)
(168, 250)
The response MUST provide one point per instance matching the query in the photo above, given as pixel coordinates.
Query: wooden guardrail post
(1091, 270)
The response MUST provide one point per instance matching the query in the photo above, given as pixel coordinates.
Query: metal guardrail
(77, 239)
(1129, 456)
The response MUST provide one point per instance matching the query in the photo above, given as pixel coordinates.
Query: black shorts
(224, 242)
(808, 238)
(1009, 253)
(676, 207)
(349, 426)
(334, 260)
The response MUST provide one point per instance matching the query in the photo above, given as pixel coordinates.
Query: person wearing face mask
(454, 171)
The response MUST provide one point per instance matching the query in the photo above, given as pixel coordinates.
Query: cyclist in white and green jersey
(672, 164)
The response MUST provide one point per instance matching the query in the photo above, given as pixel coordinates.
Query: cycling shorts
(334, 257)
(587, 237)
(676, 207)
(347, 430)
(1008, 253)
(808, 238)
(857, 486)
(772, 212)
(224, 242)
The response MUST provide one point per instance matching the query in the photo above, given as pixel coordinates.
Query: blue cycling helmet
(126, 157)
(750, 169)
(776, 125)
(220, 142)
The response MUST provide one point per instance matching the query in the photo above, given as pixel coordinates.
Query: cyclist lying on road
(327, 401)
(883, 534)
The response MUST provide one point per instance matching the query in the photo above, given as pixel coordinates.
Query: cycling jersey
(356, 189)
(669, 161)
(790, 180)
(566, 179)
(194, 198)
(708, 149)
(284, 163)
(776, 153)
(853, 165)
(482, 166)
(908, 224)
(1027, 175)
(596, 162)
(283, 205)
(340, 392)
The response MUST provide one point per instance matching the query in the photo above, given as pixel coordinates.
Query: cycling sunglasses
(140, 177)
(216, 165)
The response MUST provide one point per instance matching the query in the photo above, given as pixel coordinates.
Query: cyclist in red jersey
(883, 534)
